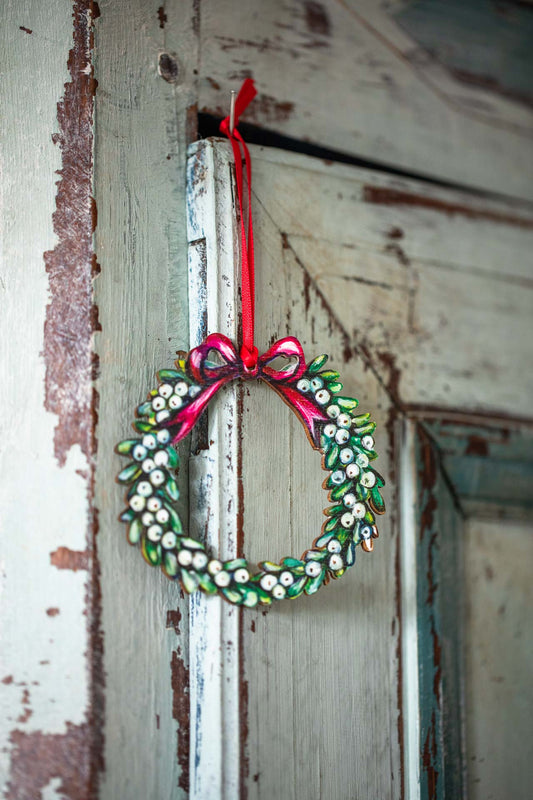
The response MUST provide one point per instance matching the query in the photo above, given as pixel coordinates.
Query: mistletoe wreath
(343, 437)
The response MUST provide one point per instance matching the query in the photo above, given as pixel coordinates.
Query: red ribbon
(211, 377)
(249, 352)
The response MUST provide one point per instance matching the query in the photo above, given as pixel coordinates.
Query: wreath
(343, 437)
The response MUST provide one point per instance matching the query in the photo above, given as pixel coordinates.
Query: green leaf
(334, 510)
(171, 375)
(339, 491)
(330, 375)
(189, 581)
(151, 552)
(331, 456)
(315, 584)
(142, 426)
(362, 430)
(369, 517)
(171, 488)
(335, 387)
(170, 564)
(349, 556)
(175, 521)
(331, 524)
(296, 588)
(134, 531)
(291, 562)
(129, 473)
(173, 458)
(324, 539)
(317, 364)
(127, 515)
(314, 555)
(206, 582)
(235, 564)
(125, 447)
(251, 598)
(377, 500)
(191, 544)
(233, 595)
(145, 410)
(347, 403)
(269, 566)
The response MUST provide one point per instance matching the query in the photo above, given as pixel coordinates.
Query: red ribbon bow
(213, 376)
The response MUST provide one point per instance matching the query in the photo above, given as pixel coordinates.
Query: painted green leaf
(349, 557)
(125, 447)
(191, 544)
(233, 595)
(171, 375)
(334, 510)
(364, 430)
(291, 562)
(377, 500)
(134, 531)
(175, 521)
(269, 566)
(314, 555)
(127, 515)
(235, 564)
(251, 598)
(329, 375)
(347, 403)
(142, 426)
(331, 456)
(151, 551)
(330, 525)
(170, 564)
(314, 584)
(171, 488)
(324, 539)
(173, 458)
(369, 517)
(145, 410)
(335, 387)
(189, 581)
(296, 589)
(362, 419)
(206, 582)
(339, 491)
(317, 364)
(129, 473)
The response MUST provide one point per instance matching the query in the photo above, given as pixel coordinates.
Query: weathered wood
(50, 637)
(309, 660)
(142, 298)
(367, 79)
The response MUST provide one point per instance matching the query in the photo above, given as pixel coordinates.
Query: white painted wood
(141, 292)
(409, 579)
(347, 76)
(498, 658)
(213, 629)
(44, 505)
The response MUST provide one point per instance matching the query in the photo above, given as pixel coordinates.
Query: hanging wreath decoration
(343, 437)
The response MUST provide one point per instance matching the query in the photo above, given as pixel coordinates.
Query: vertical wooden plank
(146, 56)
(214, 491)
(49, 628)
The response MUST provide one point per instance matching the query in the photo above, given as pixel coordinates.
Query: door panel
(317, 705)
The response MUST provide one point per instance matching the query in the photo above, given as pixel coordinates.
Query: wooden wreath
(344, 439)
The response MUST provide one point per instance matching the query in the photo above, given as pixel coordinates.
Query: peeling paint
(181, 713)
(64, 558)
(385, 196)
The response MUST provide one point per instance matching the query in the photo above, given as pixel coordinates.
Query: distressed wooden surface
(142, 297)
(383, 81)
(499, 659)
(49, 637)
(311, 660)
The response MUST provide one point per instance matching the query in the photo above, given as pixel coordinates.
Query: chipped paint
(180, 712)
(64, 558)
(387, 196)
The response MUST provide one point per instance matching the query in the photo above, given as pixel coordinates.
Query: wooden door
(420, 294)
(367, 268)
